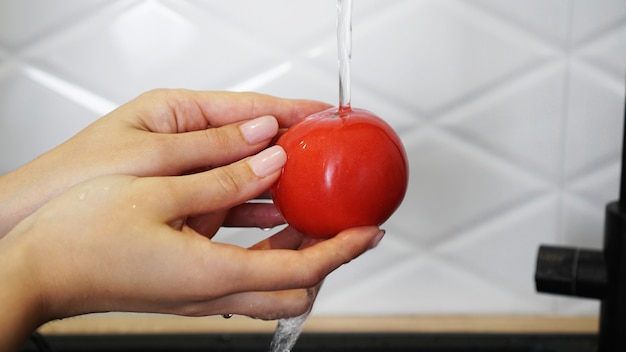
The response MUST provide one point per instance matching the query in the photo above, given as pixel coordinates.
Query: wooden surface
(142, 323)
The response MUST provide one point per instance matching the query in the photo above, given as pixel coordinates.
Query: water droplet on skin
(85, 192)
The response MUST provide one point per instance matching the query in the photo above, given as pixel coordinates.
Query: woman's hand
(101, 223)
(162, 132)
(122, 243)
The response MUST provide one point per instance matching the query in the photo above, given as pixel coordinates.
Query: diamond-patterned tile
(178, 46)
(607, 52)
(23, 21)
(528, 109)
(467, 55)
(291, 24)
(442, 200)
(312, 83)
(504, 250)
(589, 19)
(599, 186)
(353, 280)
(49, 121)
(546, 21)
(573, 306)
(595, 121)
(583, 223)
(417, 286)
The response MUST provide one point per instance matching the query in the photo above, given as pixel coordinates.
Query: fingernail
(377, 239)
(259, 129)
(268, 161)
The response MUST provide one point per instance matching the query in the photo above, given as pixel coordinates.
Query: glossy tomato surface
(344, 169)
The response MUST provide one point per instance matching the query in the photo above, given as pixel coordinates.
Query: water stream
(288, 330)
(344, 50)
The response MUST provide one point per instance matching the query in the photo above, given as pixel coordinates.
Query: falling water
(344, 49)
(288, 330)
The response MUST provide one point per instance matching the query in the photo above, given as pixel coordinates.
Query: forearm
(20, 307)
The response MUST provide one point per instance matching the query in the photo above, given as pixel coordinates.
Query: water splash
(288, 329)
(287, 333)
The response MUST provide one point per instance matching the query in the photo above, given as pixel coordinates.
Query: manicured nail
(259, 129)
(268, 161)
(377, 239)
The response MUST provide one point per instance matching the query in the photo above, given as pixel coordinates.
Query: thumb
(220, 188)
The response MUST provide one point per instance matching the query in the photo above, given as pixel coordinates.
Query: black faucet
(599, 274)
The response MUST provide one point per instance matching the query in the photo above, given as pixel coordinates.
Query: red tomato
(344, 169)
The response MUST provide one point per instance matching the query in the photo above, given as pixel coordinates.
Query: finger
(268, 305)
(261, 305)
(287, 269)
(214, 147)
(221, 108)
(215, 190)
(207, 224)
(288, 238)
(265, 195)
(179, 110)
(262, 215)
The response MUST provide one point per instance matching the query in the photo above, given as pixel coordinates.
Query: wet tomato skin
(344, 169)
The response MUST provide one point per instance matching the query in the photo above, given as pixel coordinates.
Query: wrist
(25, 189)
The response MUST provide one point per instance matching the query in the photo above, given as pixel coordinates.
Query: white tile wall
(511, 112)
